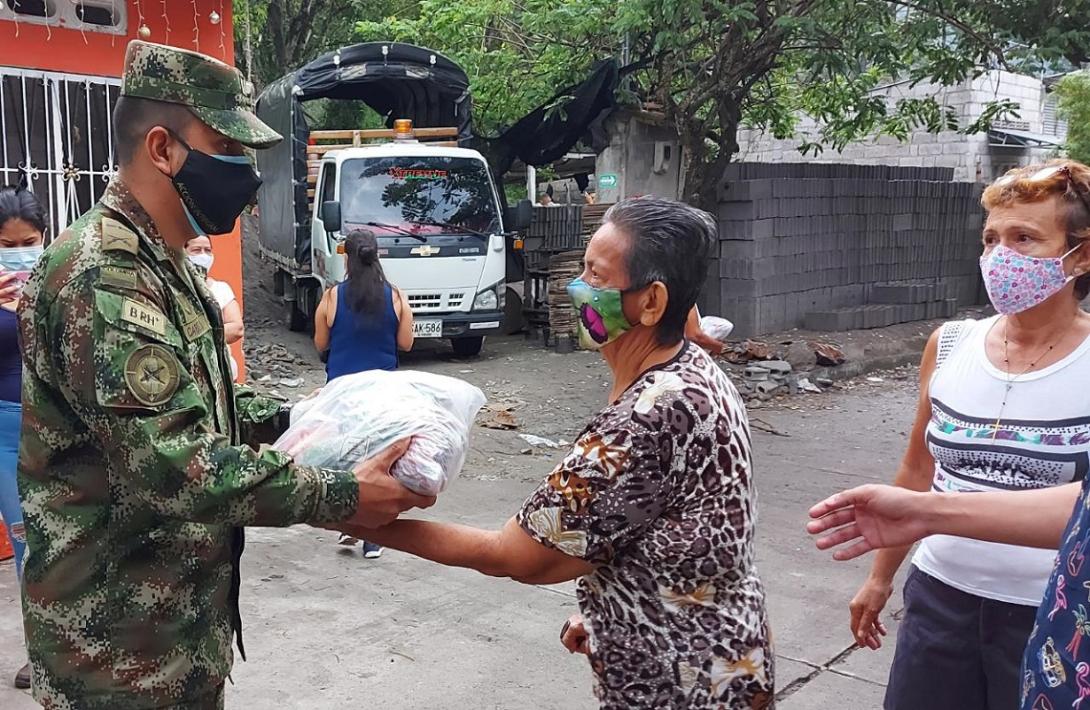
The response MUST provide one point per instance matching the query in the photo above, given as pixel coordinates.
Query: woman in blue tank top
(362, 323)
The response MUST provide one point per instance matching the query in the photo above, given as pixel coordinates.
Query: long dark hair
(365, 284)
(20, 203)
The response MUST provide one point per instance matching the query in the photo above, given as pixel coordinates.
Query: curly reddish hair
(1070, 185)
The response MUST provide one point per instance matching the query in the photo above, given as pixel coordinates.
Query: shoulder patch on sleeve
(117, 237)
(118, 276)
(148, 317)
(152, 374)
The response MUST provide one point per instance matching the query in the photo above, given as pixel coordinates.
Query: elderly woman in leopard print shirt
(653, 508)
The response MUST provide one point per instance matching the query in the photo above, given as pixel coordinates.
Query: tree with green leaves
(274, 37)
(517, 53)
(714, 66)
(711, 66)
(1073, 94)
(1051, 31)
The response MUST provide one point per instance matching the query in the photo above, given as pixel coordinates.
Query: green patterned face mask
(601, 314)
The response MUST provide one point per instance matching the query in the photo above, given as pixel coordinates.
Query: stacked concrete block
(910, 292)
(836, 247)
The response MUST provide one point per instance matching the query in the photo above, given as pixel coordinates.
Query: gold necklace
(1011, 381)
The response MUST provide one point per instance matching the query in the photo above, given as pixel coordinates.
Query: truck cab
(439, 224)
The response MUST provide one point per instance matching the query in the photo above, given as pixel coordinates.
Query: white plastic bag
(716, 327)
(356, 416)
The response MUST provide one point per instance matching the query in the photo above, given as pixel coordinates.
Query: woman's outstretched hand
(867, 518)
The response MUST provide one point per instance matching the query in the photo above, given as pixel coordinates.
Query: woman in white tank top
(1002, 407)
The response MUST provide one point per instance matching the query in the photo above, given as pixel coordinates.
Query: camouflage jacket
(132, 474)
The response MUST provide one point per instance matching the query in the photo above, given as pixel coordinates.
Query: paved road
(329, 630)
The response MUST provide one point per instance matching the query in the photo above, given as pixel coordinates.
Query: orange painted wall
(185, 24)
(228, 267)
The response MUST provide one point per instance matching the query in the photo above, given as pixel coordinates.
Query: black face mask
(215, 188)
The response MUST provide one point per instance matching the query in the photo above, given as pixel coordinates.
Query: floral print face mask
(601, 314)
(1017, 282)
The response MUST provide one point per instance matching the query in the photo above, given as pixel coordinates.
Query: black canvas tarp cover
(575, 113)
(396, 80)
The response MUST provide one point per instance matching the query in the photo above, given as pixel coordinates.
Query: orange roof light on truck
(403, 131)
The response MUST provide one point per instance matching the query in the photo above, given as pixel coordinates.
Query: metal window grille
(56, 130)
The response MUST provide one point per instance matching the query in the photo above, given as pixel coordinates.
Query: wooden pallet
(563, 268)
(592, 217)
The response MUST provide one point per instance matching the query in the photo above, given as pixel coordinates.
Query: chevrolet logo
(426, 250)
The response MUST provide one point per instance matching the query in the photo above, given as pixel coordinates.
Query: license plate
(428, 328)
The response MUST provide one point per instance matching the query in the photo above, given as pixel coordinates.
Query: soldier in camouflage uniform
(133, 473)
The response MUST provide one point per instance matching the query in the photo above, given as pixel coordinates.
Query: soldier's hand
(382, 497)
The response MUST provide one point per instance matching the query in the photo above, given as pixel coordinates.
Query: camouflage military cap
(216, 93)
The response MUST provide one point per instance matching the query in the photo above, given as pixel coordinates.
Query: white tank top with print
(1043, 440)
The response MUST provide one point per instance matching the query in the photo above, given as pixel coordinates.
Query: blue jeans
(10, 508)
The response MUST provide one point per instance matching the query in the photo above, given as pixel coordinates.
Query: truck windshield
(418, 195)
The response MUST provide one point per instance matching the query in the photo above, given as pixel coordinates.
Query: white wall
(969, 155)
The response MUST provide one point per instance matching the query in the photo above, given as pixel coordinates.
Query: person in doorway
(652, 510)
(22, 230)
(1000, 409)
(134, 477)
(361, 324)
(199, 251)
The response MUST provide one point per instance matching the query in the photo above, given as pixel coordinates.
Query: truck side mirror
(518, 217)
(331, 216)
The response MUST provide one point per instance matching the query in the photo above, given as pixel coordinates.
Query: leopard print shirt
(658, 493)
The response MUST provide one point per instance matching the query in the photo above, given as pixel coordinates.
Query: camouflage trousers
(210, 701)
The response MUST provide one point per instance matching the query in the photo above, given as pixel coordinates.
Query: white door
(325, 259)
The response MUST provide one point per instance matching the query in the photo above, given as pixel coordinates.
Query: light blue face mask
(197, 231)
(236, 159)
(233, 159)
(20, 258)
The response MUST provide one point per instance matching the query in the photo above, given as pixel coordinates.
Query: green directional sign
(607, 180)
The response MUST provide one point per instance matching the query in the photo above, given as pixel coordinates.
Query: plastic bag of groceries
(716, 327)
(356, 416)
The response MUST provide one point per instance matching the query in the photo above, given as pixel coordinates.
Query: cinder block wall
(798, 238)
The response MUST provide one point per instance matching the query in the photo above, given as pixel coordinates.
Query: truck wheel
(467, 347)
(294, 318)
(513, 320)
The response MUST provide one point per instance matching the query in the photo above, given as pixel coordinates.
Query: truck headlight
(486, 301)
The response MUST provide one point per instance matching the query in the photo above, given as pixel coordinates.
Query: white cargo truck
(443, 232)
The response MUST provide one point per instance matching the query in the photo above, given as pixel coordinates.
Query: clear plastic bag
(356, 416)
(716, 327)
